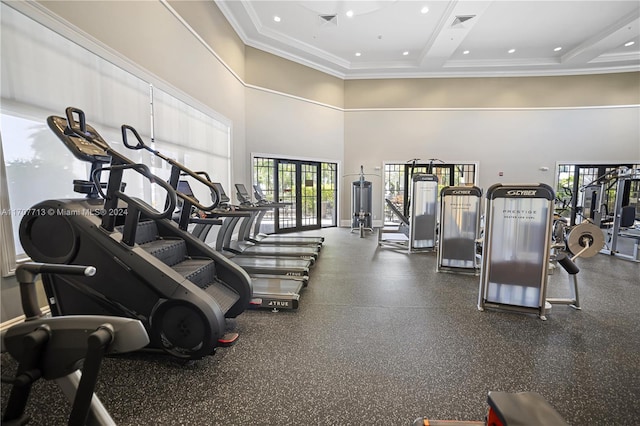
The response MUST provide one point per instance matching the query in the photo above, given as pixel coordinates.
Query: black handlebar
(202, 172)
(26, 274)
(140, 143)
(53, 268)
(142, 205)
(206, 180)
(76, 126)
(79, 128)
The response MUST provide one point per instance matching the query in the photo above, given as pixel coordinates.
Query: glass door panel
(308, 187)
(329, 194)
(309, 194)
(287, 189)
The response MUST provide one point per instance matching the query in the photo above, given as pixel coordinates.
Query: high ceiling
(444, 38)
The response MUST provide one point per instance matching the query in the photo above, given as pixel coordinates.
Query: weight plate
(583, 234)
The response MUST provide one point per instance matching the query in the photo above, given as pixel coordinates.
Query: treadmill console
(257, 192)
(224, 199)
(185, 188)
(243, 194)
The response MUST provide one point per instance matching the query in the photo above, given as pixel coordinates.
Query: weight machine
(619, 223)
(583, 240)
(419, 231)
(624, 214)
(458, 229)
(517, 250)
(361, 209)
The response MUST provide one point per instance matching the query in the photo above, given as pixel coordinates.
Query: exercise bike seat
(521, 409)
(67, 342)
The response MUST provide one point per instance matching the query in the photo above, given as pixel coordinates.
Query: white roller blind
(42, 74)
(193, 138)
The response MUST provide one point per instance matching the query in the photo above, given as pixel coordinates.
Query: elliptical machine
(148, 268)
(55, 349)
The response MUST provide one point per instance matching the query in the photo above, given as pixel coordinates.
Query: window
(329, 193)
(393, 189)
(42, 74)
(397, 178)
(583, 189)
(308, 187)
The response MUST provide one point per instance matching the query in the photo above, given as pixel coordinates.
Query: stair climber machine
(269, 290)
(147, 267)
(56, 348)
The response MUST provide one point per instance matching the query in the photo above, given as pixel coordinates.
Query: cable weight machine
(361, 204)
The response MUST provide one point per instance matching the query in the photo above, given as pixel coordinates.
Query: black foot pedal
(228, 339)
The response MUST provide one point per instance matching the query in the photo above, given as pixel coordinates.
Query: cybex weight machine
(458, 229)
(516, 248)
(422, 224)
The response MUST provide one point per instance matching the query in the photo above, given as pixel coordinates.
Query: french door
(308, 188)
(297, 185)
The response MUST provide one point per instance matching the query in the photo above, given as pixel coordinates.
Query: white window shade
(42, 70)
(192, 138)
(42, 74)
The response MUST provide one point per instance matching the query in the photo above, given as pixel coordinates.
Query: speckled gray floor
(381, 338)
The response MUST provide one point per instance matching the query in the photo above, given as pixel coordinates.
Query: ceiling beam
(451, 31)
(610, 38)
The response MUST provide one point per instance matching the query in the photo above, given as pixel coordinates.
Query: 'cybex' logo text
(521, 192)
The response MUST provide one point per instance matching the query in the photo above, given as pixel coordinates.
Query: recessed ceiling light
(557, 49)
(629, 43)
(424, 10)
(512, 50)
(405, 53)
(466, 52)
(358, 54)
(349, 13)
(276, 18)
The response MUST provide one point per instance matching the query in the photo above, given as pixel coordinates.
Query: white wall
(289, 127)
(517, 142)
(151, 36)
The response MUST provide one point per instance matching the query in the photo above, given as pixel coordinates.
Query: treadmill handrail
(184, 170)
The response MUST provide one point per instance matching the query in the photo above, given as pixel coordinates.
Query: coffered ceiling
(444, 38)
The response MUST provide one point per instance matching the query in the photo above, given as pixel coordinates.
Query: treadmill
(253, 221)
(276, 282)
(297, 269)
(268, 292)
(243, 247)
(262, 201)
